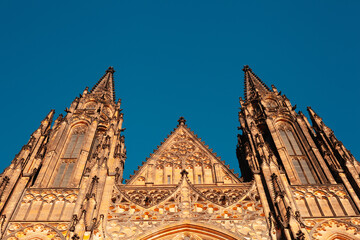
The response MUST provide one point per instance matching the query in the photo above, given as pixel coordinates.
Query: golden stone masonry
(298, 181)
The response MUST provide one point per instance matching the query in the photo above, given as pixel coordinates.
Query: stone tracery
(182, 150)
(241, 214)
(24, 231)
(329, 229)
(323, 200)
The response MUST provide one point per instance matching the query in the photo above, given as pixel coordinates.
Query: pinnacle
(312, 113)
(246, 68)
(110, 70)
(181, 121)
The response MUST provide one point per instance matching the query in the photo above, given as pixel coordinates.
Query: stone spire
(253, 84)
(106, 86)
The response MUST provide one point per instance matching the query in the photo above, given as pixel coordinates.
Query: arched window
(271, 103)
(63, 175)
(90, 106)
(76, 140)
(290, 142)
(71, 153)
(303, 171)
(299, 159)
(107, 111)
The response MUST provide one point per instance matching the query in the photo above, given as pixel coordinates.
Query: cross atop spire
(253, 84)
(106, 84)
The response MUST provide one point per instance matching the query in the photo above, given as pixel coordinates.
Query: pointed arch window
(71, 153)
(290, 142)
(303, 171)
(76, 140)
(299, 160)
(64, 173)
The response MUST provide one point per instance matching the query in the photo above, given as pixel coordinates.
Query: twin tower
(298, 180)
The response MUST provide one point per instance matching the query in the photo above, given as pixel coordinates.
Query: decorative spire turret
(106, 86)
(46, 122)
(253, 84)
(318, 123)
(327, 136)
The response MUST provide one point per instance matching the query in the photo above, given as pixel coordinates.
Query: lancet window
(299, 161)
(290, 142)
(71, 153)
(303, 171)
(169, 179)
(74, 145)
(63, 175)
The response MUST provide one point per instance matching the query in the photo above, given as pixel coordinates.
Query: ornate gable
(213, 212)
(183, 150)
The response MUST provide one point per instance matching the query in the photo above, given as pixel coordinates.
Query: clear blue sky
(177, 58)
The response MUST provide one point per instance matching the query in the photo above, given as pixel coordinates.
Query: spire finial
(110, 70)
(246, 68)
(182, 121)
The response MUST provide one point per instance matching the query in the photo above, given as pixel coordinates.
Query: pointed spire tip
(110, 70)
(105, 85)
(246, 68)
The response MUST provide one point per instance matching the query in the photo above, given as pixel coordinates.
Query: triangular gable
(183, 150)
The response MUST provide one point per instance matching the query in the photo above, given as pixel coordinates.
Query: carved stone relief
(240, 214)
(181, 151)
(328, 229)
(47, 205)
(51, 231)
(323, 200)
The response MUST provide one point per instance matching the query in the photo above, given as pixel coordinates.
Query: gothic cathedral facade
(298, 180)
